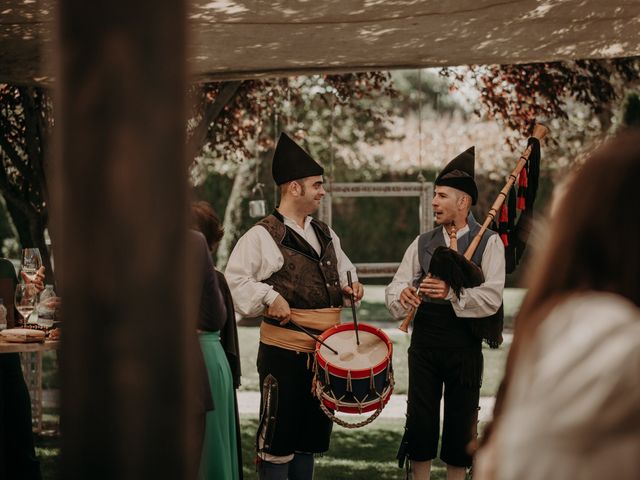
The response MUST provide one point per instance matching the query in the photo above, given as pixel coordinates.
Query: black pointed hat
(291, 162)
(459, 173)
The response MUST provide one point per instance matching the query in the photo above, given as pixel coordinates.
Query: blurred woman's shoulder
(586, 316)
(574, 399)
(588, 329)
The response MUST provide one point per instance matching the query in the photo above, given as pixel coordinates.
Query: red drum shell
(368, 407)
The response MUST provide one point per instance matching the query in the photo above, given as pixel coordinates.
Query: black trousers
(17, 454)
(459, 373)
(299, 424)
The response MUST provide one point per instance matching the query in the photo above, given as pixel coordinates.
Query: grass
(363, 454)
(48, 447)
(494, 361)
(368, 312)
(48, 452)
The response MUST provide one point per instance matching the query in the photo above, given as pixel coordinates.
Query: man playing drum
(290, 267)
(443, 349)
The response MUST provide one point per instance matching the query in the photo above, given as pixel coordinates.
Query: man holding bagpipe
(445, 349)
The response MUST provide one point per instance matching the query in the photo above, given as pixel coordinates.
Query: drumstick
(315, 337)
(353, 307)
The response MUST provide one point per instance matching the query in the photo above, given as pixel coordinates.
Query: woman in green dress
(221, 453)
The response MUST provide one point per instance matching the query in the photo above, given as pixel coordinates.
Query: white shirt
(256, 257)
(479, 302)
(573, 406)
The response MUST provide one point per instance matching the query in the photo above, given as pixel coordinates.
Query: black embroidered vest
(306, 279)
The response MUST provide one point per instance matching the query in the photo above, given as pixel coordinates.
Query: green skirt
(219, 453)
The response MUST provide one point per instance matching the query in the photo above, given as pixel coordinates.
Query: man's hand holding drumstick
(279, 310)
(358, 291)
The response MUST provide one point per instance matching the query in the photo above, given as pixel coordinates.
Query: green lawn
(368, 312)
(48, 447)
(366, 453)
(363, 454)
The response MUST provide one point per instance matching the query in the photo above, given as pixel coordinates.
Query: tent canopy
(236, 39)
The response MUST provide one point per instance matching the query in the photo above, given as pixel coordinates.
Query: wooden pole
(121, 226)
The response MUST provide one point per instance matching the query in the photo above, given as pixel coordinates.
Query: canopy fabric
(238, 39)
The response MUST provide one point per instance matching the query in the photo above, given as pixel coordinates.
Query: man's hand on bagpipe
(434, 288)
(409, 298)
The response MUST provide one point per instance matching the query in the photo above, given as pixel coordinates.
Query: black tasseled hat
(291, 162)
(459, 173)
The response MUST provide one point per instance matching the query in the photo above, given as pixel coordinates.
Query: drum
(359, 378)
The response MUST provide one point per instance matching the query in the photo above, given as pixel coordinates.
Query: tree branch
(212, 111)
(31, 137)
(16, 159)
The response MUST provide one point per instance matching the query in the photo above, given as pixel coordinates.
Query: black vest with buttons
(306, 279)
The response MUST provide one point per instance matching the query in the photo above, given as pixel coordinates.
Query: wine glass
(26, 299)
(31, 261)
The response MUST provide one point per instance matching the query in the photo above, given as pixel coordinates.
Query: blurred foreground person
(569, 405)
(222, 454)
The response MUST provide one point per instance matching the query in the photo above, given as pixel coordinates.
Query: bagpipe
(459, 272)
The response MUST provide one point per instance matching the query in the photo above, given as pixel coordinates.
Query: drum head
(371, 351)
(374, 352)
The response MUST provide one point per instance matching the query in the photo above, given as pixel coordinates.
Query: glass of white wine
(31, 261)
(26, 299)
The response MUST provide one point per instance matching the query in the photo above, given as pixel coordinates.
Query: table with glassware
(32, 300)
(31, 359)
